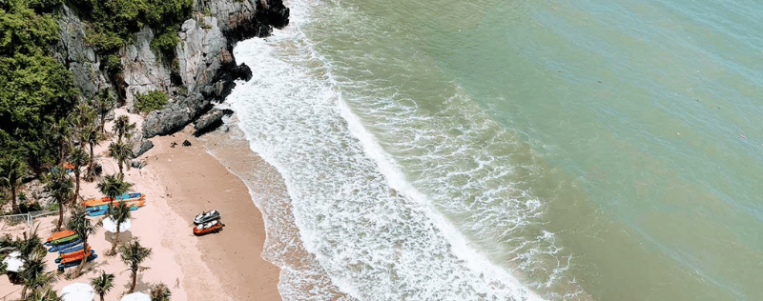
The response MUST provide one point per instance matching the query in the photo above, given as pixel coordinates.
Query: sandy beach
(179, 182)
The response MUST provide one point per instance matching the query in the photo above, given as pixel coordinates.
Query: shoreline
(234, 254)
(179, 183)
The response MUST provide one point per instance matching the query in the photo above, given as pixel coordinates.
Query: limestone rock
(143, 70)
(140, 149)
(174, 116)
(209, 122)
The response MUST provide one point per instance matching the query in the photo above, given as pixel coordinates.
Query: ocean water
(513, 150)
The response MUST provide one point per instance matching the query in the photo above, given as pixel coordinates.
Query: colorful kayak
(69, 264)
(104, 210)
(61, 234)
(71, 249)
(57, 248)
(210, 227)
(130, 203)
(76, 254)
(107, 200)
(62, 240)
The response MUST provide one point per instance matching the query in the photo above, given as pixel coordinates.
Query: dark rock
(138, 164)
(186, 143)
(142, 149)
(209, 122)
(175, 116)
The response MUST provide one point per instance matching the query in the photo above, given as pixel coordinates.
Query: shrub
(165, 44)
(151, 101)
(113, 64)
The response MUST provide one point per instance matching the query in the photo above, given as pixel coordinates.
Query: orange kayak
(68, 165)
(107, 200)
(76, 254)
(76, 258)
(61, 234)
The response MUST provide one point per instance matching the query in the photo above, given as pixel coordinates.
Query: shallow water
(441, 150)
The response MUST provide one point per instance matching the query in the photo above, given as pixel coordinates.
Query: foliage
(151, 101)
(78, 158)
(113, 64)
(123, 127)
(34, 275)
(60, 187)
(12, 170)
(133, 254)
(160, 292)
(165, 44)
(113, 23)
(122, 153)
(119, 215)
(102, 284)
(78, 222)
(113, 186)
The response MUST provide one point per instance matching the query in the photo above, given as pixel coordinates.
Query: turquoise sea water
(511, 150)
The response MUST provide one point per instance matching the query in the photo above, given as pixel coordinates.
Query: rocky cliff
(204, 69)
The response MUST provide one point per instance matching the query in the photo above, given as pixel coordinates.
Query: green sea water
(593, 150)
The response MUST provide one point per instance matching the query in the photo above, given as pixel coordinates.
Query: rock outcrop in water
(205, 68)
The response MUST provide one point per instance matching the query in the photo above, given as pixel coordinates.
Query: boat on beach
(106, 200)
(72, 263)
(78, 254)
(64, 246)
(210, 227)
(63, 240)
(206, 217)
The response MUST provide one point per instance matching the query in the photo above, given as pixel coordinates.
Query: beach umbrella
(14, 262)
(111, 225)
(77, 292)
(136, 297)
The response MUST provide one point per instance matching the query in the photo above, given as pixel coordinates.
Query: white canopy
(111, 225)
(77, 292)
(14, 262)
(136, 297)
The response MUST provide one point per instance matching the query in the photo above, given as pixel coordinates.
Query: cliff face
(205, 68)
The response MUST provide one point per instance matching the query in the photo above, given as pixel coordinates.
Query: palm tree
(90, 136)
(34, 275)
(62, 132)
(103, 283)
(78, 158)
(103, 102)
(122, 153)
(83, 116)
(60, 187)
(160, 292)
(123, 127)
(133, 254)
(119, 215)
(30, 245)
(12, 170)
(113, 186)
(81, 224)
(46, 294)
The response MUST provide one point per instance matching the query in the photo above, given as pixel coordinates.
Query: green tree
(12, 171)
(62, 133)
(60, 187)
(123, 127)
(113, 186)
(79, 223)
(103, 283)
(90, 136)
(160, 292)
(34, 275)
(78, 158)
(151, 101)
(122, 153)
(103, 103)
(120, 214)
(133, 254)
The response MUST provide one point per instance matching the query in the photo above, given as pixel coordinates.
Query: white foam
(373, 233)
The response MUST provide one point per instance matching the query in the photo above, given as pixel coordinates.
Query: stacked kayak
(207, 222)
(98, 207)
(76, 254)
(62, 240)
(75, 261)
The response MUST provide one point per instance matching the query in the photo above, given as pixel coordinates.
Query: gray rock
(143, 70)
(208, 122)
(174, 116)
(138, 164)
(142, 148)
(80, 59)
